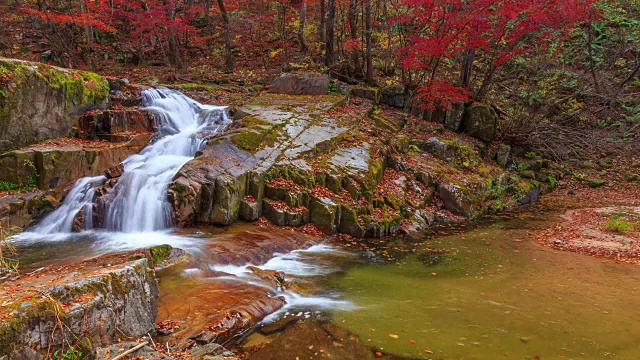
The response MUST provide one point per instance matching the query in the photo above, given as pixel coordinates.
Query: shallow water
(491, 293)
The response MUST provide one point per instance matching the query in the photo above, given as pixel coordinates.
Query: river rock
(146, 352)
(211, 351)
(114, 171)
(298, 153)
(324, 214)
(455, 199)
(39, 101)
(301, 84)
(481, 121)
(249, 210)
(274, 214)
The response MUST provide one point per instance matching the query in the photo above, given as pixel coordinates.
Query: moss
(596, 183)
(11, 329)
(382, 123)
(80, 87)
(256, 134)
(179, 188)
(462, 154)
(41, 204)
(160, 254)
(202, 87)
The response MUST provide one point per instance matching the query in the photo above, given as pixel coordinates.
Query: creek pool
(492, 293)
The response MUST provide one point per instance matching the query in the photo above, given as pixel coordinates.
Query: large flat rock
(345, 167)
(82, 304)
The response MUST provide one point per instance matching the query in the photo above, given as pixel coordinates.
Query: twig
(35, 271)
(150, 338)
(133, 349)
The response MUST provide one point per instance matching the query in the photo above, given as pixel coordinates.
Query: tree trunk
(467, 67)
(370, 75)
(304, 47)
(329, 54)
(227, 37)
(322, 22)
(353, 34)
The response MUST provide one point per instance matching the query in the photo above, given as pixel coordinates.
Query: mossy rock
(481, 121)
(632, 177)
(256, 134)
(37, 101)
(160, 253)
(596, 183)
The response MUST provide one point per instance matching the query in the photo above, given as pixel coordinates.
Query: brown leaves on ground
(608, 232)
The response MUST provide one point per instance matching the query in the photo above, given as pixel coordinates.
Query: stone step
(59, 162)
(101, 124)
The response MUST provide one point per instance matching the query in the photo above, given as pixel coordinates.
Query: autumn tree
(475, 39)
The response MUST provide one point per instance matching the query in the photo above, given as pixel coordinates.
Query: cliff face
(39, 102)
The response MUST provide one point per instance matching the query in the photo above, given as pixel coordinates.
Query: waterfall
(141, 202)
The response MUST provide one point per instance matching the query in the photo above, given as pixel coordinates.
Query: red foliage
(442, 31)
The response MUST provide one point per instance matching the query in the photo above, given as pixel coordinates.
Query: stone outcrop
(301, 84)
(296, 160)
(54, 164)
(39, 102)
(86, 305)
(21, 209)
(109, 123)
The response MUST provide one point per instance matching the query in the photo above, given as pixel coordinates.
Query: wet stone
(115, 171)
(249, 211)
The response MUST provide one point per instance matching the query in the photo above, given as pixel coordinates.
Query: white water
(298, 263)
(141, 203)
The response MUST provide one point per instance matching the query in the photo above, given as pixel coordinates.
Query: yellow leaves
(275, 52)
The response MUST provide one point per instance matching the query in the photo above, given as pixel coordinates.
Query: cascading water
(141, 203)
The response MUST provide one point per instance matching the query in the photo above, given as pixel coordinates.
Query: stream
(482, 292)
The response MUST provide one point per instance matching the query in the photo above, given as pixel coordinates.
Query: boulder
(530, 197)
(481, 121)
(39, 101)
(393, 95)
(596, 183)
(455, 199)
(437, 148)
(211, 351)
(365, 93)
(301, 84)
(349, 223)
(274, 213)
(100, 124)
